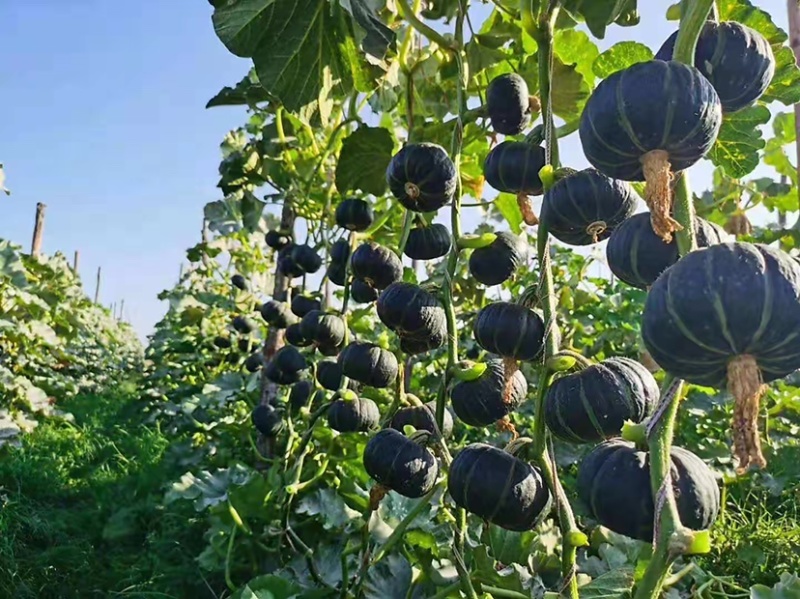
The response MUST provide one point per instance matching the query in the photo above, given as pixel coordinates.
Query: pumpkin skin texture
(495, 263)
(254, 362)
(508, 104)
(277, 314)
(340, 252)
(267, 420)
(728, 316)
(299, 395)
(369, 364)
(303, 304)
(377, 265)
(513, 167)
(323, 329)
(399, 464)
(294, 336)
(285, 366)
(361, 292)
(585, 207)
(481, 402)
(593, 404)
(498, 487)
(422, 177)
(306, 258)
(614, 483)
(648, 121)
(222, 342)
(510, 330)
(637, 256)
(422, 418)
(354, 214)
(336, 273)
(414, 314)
(737, 60)
(239, 282)
(277, 240)
(428, 243)
(243, 325)
(329, 374)
(286, 263)
(353, 415)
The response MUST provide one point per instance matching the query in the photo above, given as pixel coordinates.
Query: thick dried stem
(412, 191)
(526, 208)
(504, 425)
(747, 387)
(510, 368)
(596, 229)
(658, 193)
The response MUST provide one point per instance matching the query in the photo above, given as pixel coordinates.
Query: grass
(81, 510)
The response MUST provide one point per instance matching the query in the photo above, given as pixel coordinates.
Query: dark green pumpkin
(277, 314)
(498, 487)
(286, 263)
(303, 304)
(337, 273)
(353, 415)
(414, 314)
(323, 329)
(340, 251)
(369, 364)
(586, 206)
(737, 60)
(361, 292)
(508, 104)
(243, 325)
(375, 264)
(329, 374)
(513, 167)
(285, 366)
(614, 484)
(510, 330)
(422, 418)
(306, 258)
(354, 214)
(428, 243)
(652, 105)
(422, 177)
(637, 256)
(277, 240)
(222, 342)
(245, 345)
(239, 282)
(487, 399)
(302, 395)
(294, 336)
(267, 420)
(498, 261)
(254, 362)
(396, 462)
(593, 404)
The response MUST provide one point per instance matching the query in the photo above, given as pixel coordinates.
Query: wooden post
(180, 273)
(76, 259)
(97, 287)
(38, 230)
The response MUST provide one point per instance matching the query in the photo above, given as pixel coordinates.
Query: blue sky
(103, 120)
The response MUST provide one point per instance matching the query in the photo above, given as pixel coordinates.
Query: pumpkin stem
(526, 208)
(534, 104)
(510, 368)
(658, 193)
(412, 191)
(596, 229)
(746, 385)
(505, 425)
(376, 495)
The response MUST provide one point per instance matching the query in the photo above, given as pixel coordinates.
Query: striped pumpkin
(513, 167)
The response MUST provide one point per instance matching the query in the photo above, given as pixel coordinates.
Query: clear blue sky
(103, 119)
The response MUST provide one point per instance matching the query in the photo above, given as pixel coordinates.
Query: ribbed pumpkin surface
(513, 167)
(414, 314)
(353, 415)
(354, 214)
(400, 464)
(498, 261)
(614, 484)
(428, 243)
(369, 364)
(498, 487)
(422, 177)
(422, 418)
(510, 330)
(508, 104)
(594, 403)
(487, 399)
(375, 264)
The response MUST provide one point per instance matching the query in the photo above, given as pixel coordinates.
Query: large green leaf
(569, 90)
(506, 203)
(365, 154)
(301, 49)
(575, 48)
(378, 38)
(613, 585)
(248, 91)
(785, 85)
(739, 141)
(599, 14)
(267, 587)
(775, 151)
(620, 56)
(787, 588)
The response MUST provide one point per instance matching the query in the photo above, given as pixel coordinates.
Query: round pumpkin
(645, 123)
(637, 256)
(222, 342)
(340, 251)
(586, 206)
(728, 316)
(498, 487)
(422, 177)
(285, 366)
(323, 329)
(614, 484)
(329, 374)
(397, 462)
(362, 293)
(254, 362)
(497, 262)
(239, 282)
(294, 336)
(337, 273)
(375, 264)
(277, 314)
(306, 258)
(593, 404)
(369, 364)
(287, 265)
(354, 214)
(510, 330)
(428, 243)
(243, 325)
(508, 104)
(490, 397)
(277, 240)
(303, 304)
(267, 420)
(355, 415)
(414, 314)
(300, 395)
(513, 167)
(422, 418)
(737, 60)
(245, 345)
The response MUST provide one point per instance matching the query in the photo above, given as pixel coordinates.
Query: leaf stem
(400, 530)
(414, 21)
(694, 14)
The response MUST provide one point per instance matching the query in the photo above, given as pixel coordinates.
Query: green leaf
(302, 49)
(252, 209)
(599, 14)
(787, 588)
(248, 91)
(620, 56)
(508, 546)
(378, 38)
(612, 585)
(739, 141)
(569, 90)
(363, 160)
(506, 203)
(742, 11)
(575, 48)
(785, 85)
(389, 579)
(267, 587)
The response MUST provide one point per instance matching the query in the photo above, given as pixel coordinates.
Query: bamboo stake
(38, 230)
(97, 287)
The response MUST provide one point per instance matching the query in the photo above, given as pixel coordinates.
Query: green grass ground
(81, 510)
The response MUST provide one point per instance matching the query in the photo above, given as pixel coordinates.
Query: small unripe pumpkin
(398, 463)
(513, 167)
(254, 362)
(239, 282)
(362, 293)
(354, 214)
(222, 342)
(508, 104)
(498, 487)
(323, 329)
(267, 420)
(303, 304)
(428, 243)
(277, 314)
(497, 262)
(285, 366)
(414, 314)
(294, 336)
(510, 330)
(422, 177)
(422, 418)
(300, 395)
(340, 251)
(286, 263)
(375, 264)
(490, 397)
(369, 364)
(329, 374)
(242, 324)
(337, 273)
(277, 240)
(306, 258)
(614, 484)
(353, 415)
